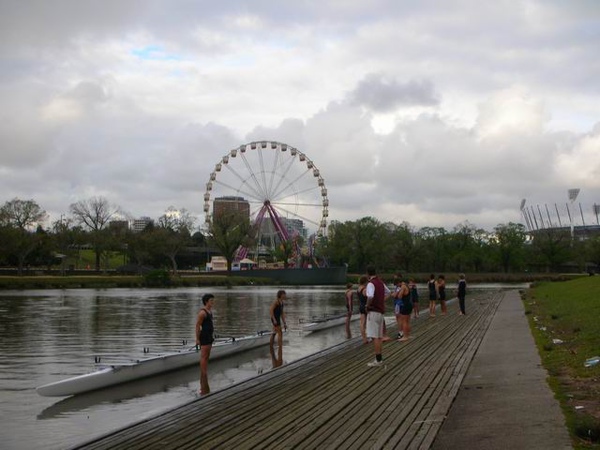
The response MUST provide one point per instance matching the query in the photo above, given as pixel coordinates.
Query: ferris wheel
(280, 186)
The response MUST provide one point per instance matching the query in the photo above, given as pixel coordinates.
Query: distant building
(231, 204)
(141, 224)
(118, 226)
(581, 221)
(294, 226)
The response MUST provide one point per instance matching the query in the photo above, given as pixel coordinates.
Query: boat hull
(116, 374)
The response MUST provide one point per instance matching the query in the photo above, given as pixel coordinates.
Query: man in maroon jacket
(377, 292)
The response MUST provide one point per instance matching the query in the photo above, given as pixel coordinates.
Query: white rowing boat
(326, 321)
(112, 374)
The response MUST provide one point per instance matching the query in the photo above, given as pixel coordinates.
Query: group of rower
(372, 294)
(205, 334)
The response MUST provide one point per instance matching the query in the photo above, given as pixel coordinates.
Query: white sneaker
(375, 363)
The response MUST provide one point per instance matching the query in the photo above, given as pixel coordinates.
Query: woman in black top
(441, 285)
(205, 338)
(462, 293)
(433, 294)
(277, 316)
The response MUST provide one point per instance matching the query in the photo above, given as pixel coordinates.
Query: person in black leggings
(205, 331)
(462, 293)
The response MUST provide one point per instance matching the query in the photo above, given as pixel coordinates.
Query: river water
(51, 335)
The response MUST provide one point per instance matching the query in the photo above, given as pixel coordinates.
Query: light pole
(573, 193)
(522, 208)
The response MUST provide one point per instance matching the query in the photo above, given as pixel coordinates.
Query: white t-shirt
(371, 290)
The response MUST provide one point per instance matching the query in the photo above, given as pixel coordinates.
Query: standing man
(277, 316)
(441, 284)
(377, 292)
(462, 293)
(205, 338)
(402, 304)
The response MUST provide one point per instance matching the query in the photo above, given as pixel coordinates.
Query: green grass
(570, 312)
(88, 258)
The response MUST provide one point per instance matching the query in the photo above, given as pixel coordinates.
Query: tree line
(466, 248)
(169, 241)
(91, 223)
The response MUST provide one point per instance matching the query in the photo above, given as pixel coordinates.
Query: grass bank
(565, 322)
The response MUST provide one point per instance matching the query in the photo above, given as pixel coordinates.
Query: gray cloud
(138, 100)
(382, 94)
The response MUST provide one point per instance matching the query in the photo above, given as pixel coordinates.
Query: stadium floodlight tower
(573, 193)
(522, 209)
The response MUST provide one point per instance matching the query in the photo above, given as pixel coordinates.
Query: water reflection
(47, 336)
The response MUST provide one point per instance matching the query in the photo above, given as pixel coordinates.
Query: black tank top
(362, 298)
(431, 286)
(277, 313)
(207, 331)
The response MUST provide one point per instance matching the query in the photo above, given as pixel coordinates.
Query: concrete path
(504, 401)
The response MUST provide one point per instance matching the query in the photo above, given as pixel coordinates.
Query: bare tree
(22, 214)
(174, 233)
(94, 214)
(179, 220)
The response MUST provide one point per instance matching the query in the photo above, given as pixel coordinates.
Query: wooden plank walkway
(331, 399)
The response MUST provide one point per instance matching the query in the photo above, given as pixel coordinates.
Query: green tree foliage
(287, 249)
(593, 251)
(508, 245)
(403, 247)
(171, 241)
(434, 248)
(359, 243)
(17, 240)
(551, 248)
(228, 231)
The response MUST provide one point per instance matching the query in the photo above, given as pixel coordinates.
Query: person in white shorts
(377, 292)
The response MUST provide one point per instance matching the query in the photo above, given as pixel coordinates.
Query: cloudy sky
(429, 112)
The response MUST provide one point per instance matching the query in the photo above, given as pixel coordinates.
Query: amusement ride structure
(280, 189)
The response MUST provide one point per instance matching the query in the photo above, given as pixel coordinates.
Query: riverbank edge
(107, 281)
(572, 386)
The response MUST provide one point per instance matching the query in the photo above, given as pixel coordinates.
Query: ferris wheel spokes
(256, 191)
(276, 182)
(298, 216)
(282, 171)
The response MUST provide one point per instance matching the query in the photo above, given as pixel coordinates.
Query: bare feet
(386, 339)
(404, 339)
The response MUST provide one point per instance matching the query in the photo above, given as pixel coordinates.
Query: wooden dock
(331, 399)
